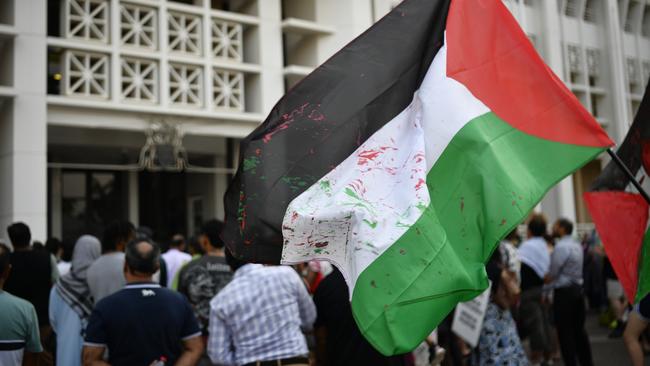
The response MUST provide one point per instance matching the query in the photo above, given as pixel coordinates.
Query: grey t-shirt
(200, 280)
(106, 275)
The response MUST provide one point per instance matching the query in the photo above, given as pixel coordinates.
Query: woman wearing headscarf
(71, 302)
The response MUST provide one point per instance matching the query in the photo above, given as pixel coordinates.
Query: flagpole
(629, 174)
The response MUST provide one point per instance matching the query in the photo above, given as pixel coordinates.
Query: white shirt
(174, 259)
(534, 253)
(63, 267)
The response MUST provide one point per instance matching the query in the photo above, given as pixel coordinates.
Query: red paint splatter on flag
(420, 184)
(367, 156)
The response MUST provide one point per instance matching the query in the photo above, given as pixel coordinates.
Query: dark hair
(233, 262)
(141, 260)
(19, 234)
(116, 232)
(212, 229)
(144, 232)
(566, 225)
(549, 239)
(37, 245)
(513, 236)
(5, 254)
(68, 249)
(493, 267)
(537, 225)
(194, 246)
(53, 245)
(177, 241)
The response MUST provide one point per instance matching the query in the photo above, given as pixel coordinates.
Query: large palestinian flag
(621, 214)
(405, 158)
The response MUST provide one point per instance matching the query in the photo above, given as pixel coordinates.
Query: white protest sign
(468, 318)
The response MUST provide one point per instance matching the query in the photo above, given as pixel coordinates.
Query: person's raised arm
(93, 356)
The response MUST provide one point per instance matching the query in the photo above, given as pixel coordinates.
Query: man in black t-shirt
(338, 339)
(31, 273)
(143, 322)
(201, 279)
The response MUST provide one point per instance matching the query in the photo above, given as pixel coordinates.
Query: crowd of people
(120, 301)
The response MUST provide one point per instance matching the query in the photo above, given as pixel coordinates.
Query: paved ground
(606, 351)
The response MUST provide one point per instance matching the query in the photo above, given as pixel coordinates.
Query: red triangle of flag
(621, 220)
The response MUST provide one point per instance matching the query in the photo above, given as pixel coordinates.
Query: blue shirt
(142, 323)
(566, 263)
(259, 315)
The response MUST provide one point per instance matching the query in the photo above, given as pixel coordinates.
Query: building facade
(134, 108)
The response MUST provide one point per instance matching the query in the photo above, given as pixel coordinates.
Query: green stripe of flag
(643, 285)
(488, 178)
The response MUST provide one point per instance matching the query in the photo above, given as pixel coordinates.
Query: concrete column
(56, 198)
(134, 198)
(270, 53)
(24, 158)
(560, 201)
(380, 8)
(220, 186)
(618, 72)
(348, 24)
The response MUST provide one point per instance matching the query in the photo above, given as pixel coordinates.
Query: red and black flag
(620, 213)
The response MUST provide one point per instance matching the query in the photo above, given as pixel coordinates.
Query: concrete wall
(23, 190)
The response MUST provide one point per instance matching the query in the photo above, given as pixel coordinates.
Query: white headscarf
(73, 287)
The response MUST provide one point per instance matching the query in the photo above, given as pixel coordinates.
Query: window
(593, 66)
(87, 19)
(633, 13)
(633, 74)
(86, 74)
(186, 84)
(591, 11)
(571, 8)
(645, 27)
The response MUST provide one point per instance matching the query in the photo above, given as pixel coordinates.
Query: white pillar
(271, 59)
(617, 72)
(348, 24)
(560, 201)
(23, 162)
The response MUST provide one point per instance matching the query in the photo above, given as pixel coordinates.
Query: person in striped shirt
(260, 316)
